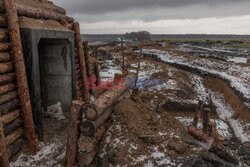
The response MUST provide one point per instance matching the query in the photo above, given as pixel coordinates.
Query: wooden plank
(15, 147)
(73, 133)
(7, 88)
(22, 84)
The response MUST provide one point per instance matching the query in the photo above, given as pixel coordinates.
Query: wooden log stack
(85, 134)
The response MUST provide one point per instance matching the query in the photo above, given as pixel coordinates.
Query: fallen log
(85, 159)
(88, 128)
(7, 118)
(14, 136)
(41, 14)
(6, 67)
(4, 47)
(21, 77)
(198, 134)
(4, 56)
(7, 88)
(92, 111)
(88, 144)
(7, 97)
(9, 106)
(15, 147)
(4, 36)
(7, 78)
(74, 121)
(4, 162)
(80, 54)
(11, 127)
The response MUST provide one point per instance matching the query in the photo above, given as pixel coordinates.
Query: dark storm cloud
(106, 6)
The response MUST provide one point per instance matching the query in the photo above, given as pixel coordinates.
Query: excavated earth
(150, 128)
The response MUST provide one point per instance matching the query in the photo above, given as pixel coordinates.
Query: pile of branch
(87, 126)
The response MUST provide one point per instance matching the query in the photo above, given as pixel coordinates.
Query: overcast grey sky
(160, 16)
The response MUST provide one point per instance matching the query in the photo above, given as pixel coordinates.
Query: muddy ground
(150, 128)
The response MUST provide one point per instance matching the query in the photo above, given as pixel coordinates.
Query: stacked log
(14, 92)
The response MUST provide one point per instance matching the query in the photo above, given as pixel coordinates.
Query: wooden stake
(73, 133)
(22, 84)
(80, 54)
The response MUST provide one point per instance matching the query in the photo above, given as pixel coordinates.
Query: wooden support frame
(22, 84)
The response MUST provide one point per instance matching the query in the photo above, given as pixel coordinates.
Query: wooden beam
(12, 126)
(15, 147)
(7, 88)
(80, 54)
(73, 134)
(22, 84)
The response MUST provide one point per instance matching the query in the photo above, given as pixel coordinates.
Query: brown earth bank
(217, 85)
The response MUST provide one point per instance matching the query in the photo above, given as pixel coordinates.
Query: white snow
(49, 155)
(239, 77)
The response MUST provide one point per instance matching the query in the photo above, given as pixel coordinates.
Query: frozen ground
(238, 76)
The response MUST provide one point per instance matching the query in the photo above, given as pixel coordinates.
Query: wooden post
(138, 67)
(23, 90)
(80, 54)
(73, 134)
(205, 116)
(123, 57)
(4, 162)
(198, 113)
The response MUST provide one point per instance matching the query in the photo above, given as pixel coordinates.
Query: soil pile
(141, 136)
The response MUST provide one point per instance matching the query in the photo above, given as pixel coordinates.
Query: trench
(232, 96)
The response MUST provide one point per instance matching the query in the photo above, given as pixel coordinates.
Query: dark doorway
(56, 72)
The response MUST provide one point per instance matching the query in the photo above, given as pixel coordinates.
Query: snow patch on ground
(49, 155)
(225, 112)
(239, 77)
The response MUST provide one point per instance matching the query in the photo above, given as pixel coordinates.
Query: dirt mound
(140, 136)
